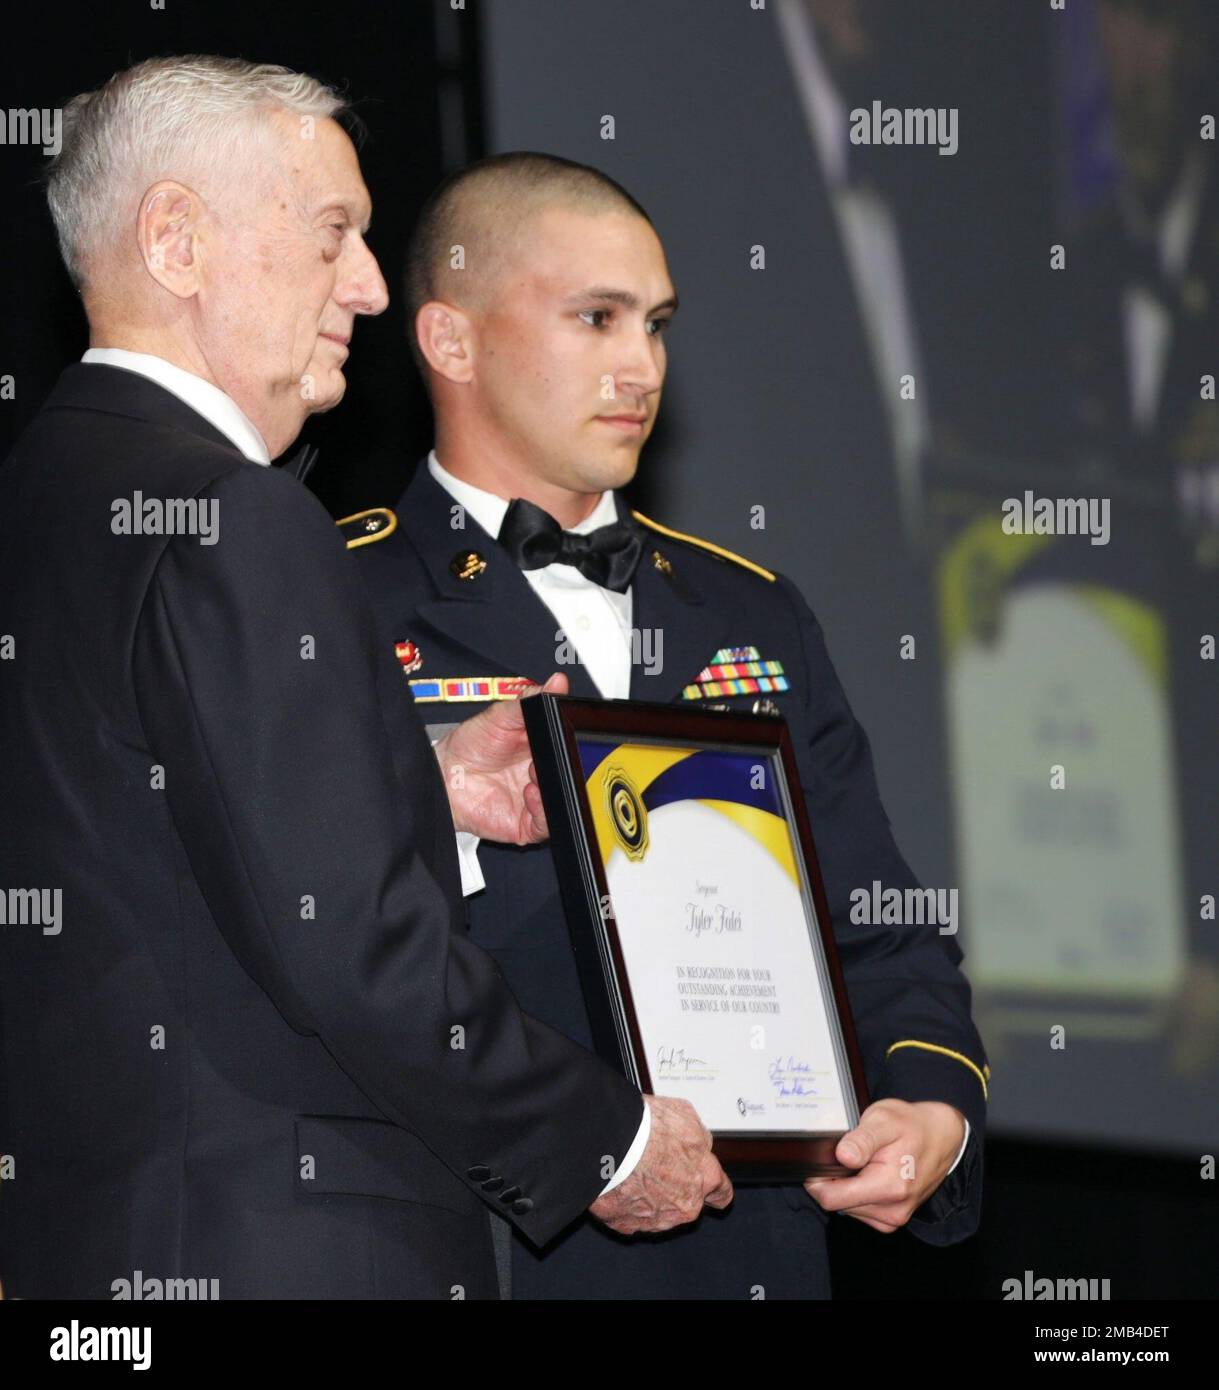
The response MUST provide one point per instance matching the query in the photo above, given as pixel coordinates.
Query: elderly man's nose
(363, 290)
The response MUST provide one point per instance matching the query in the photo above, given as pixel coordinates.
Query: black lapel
(666, 613)
(495, 614)
(117, 391)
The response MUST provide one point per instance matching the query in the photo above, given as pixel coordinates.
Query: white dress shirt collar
(210, 401)
(488, 510)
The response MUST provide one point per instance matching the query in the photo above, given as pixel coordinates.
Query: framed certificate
(699, 922)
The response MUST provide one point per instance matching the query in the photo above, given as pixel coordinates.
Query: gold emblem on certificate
(627, 813)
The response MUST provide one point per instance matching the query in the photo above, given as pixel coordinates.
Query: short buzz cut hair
(482, 208)
(195, 118)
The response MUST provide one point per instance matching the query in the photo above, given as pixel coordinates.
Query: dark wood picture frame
(555, 724)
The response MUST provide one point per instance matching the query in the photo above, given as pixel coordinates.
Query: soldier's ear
(446, 338)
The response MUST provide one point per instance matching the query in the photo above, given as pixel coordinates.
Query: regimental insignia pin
(738, 671)
(662, 564)
(410, 657)
(465, 689)
(467, 564)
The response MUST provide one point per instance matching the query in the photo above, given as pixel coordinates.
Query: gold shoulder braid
(705, 545)
(363, 528)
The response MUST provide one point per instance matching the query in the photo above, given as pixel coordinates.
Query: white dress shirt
(597, 623)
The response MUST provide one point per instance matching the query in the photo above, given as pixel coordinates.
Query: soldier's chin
(617, 470)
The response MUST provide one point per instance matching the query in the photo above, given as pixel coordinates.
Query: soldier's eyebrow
(607, 294)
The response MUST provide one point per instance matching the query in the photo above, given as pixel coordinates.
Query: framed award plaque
(699, 923)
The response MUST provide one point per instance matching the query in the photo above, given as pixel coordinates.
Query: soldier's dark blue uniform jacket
(477, 616)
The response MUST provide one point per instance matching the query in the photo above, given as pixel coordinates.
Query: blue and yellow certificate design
(706, 892)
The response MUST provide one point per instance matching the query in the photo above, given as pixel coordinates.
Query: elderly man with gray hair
(255, 1055)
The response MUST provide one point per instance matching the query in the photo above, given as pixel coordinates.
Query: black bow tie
(608, 556)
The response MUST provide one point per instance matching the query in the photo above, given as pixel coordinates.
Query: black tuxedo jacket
(910, 1001)
(260, 1048)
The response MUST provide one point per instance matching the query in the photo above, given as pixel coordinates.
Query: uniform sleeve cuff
(917, 1070)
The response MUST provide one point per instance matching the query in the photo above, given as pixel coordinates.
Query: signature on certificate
(673, 1061)
(792, 1077)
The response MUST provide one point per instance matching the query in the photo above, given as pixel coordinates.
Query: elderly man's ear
(170, 214)
(446, 339)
